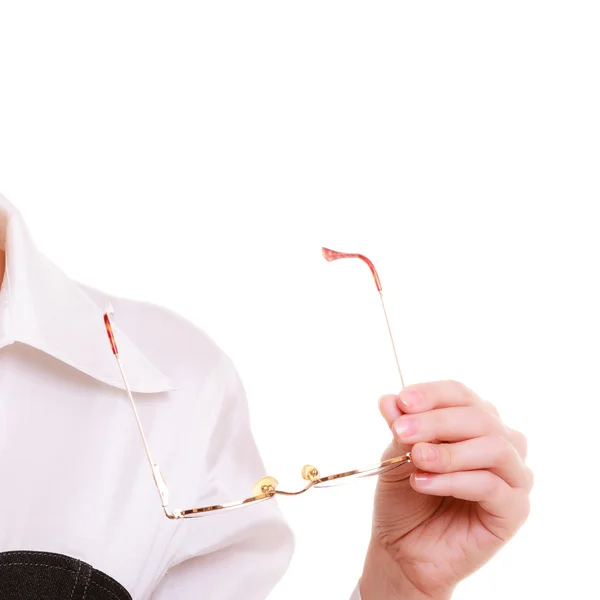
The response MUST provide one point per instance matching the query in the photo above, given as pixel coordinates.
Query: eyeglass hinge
(161, 485)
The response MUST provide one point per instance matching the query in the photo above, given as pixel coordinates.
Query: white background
(200, 156)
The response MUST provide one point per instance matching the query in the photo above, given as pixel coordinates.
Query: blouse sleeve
(240, 553)
(356, 593)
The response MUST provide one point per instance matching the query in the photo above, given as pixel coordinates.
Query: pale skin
(464, 496)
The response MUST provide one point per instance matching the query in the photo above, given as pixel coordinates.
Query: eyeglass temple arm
(266, 484)
(331, 255)
(161, 486)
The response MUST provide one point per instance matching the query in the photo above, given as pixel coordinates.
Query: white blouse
(73, 474)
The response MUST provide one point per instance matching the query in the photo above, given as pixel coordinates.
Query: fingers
(462, 449)
(448, 411)
(519, 441)
(447, 425)
(493, 453)
(422, 397)
(436, 394)
(504, 506)
(388, 407)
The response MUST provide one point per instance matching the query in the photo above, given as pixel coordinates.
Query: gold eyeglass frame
(266, 487)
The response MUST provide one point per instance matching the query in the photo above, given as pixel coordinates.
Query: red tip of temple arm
(335, 255)
(111, 336)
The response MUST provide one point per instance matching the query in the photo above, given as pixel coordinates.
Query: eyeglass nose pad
(310, 473)
(265, 485)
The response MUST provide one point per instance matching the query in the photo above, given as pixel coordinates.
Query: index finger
(421, 397)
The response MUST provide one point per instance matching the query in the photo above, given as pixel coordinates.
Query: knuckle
(520, 441)
(490, 408)
(445, 459)
(503, 450)
(530, 478)
(459, 387)
(526, 508)
(491, 484)
(491, 423)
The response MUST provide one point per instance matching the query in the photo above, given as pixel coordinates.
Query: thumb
(398, 507)
(389, 407)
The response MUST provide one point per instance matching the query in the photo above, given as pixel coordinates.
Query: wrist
(383, 579)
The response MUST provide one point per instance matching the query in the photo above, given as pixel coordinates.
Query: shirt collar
(46, 309)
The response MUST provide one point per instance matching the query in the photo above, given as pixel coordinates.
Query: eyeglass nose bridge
(267, 485)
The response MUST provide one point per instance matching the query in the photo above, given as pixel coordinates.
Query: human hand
(464, 496)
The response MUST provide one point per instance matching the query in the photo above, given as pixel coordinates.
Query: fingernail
(411, 399)
(422, 479)
(427, 453)
(406, 428)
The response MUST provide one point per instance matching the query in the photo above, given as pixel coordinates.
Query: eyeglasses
(265, 488)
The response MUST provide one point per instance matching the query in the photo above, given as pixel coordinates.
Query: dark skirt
(27, 575)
